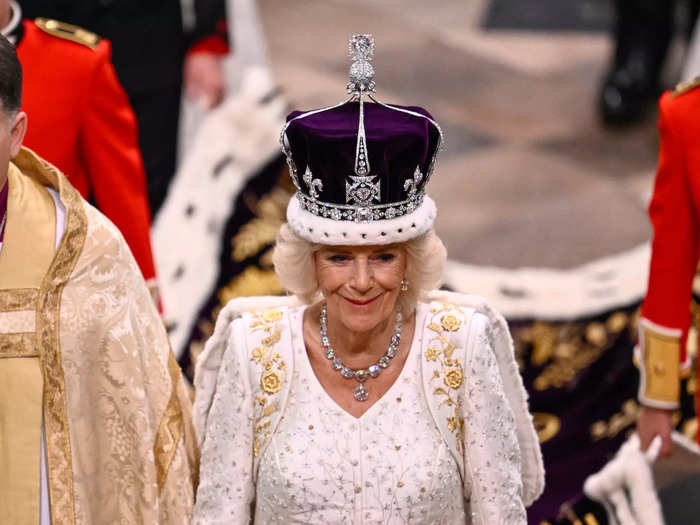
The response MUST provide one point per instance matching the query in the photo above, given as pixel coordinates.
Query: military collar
(14, 30)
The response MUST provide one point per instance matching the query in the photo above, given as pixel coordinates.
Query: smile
(361, 303)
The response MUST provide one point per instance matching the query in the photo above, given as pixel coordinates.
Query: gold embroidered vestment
(83, 349)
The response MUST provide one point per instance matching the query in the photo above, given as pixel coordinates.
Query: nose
(362, 275)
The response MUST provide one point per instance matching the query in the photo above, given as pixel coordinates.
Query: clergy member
(94, 415)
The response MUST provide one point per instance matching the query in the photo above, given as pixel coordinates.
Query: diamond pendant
(361, 393)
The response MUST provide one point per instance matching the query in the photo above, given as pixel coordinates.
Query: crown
(360, 162)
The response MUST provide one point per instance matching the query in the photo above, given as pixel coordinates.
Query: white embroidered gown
(390, 466)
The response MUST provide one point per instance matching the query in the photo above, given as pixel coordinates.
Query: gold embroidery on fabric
(451, 372)
(58, 446)
(546, 425)
(270, 213)
(171, 426)
(617, 423)
(271, 382)
(15, 300)
(18, 345)
(690, 429)
(453, 378)
(272, 373)
(564, 349)
(252, 281)
(450, 323)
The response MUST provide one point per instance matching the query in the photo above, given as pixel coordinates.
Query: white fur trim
(328, 231)
(237, 138)
(550, 294)
(626, 484)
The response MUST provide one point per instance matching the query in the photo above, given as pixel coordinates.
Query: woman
(369, 397)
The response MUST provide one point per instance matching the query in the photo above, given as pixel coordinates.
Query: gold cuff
(660, 371)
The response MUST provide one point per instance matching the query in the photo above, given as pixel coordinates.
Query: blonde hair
(295, 267)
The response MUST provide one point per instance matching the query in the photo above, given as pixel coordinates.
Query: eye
(338, 258)
(386, 257)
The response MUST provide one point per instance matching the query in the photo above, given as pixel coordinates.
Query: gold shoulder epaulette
(686, 86)
(68, 32)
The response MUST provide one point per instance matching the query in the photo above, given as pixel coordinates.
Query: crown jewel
(361, 51)
(402, 143)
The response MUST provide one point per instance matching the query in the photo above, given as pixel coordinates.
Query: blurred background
(548, 110)
(529, 176)
(549, 114)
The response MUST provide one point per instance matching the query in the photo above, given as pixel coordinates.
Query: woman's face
(361, 283)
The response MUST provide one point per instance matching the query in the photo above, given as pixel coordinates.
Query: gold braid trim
(58, 447)
(15, 300)
(171, 427)
(18, 345)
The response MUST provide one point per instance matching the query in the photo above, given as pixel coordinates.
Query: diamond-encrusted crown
(361, 162)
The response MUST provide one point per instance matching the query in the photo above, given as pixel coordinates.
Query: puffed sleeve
(226, 489)
(110, 150)
(492, 459)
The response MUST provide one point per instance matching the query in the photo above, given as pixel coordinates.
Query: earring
(404, 285)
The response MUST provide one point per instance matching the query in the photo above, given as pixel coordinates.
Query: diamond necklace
(362, 374)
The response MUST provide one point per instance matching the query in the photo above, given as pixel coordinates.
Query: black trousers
(649, 25)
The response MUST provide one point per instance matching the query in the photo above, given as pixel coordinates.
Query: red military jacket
(80, 119)
(675, 216)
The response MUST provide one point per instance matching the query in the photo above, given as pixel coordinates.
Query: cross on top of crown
(361, 51)
(361, 47)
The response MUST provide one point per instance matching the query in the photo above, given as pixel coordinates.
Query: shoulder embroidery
(272, 369)
(68, 32)
(448, 371)
(686, 86)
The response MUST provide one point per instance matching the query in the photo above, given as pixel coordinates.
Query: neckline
(413, 350)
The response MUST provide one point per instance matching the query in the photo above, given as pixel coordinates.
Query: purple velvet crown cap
(396, 144)
(361, 167)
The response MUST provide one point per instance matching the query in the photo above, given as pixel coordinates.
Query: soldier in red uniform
(82, 122)
(675, 216)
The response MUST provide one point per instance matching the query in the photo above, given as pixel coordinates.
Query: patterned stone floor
(528, 176)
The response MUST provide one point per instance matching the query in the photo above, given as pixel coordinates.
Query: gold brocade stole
(27, 253)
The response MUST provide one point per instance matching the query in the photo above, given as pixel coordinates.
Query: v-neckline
(300, 347)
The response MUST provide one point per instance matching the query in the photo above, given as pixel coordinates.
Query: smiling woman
(365, 398)
(295, 266)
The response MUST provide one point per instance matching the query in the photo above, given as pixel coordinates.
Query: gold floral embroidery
(270, 316)
(450, 323)
(431, 354)
(564, 349)
(453, 378)
(271, 382)
(257, 355)
(272, 373)
(171, 426)
(441, 350)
